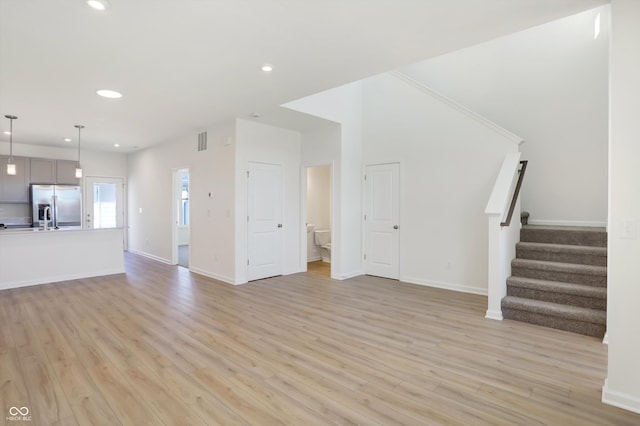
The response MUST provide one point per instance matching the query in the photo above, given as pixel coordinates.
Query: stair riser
(574, 326)
(549, 256)
(562, 298)
(567, 277)
(575, 238)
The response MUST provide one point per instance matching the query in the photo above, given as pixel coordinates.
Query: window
(184, 199)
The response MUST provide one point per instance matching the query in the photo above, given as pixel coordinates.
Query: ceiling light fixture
(111, 94)
(67, 139)
(78, 168)
(255, 115)
(116, 145)
(267, 68)
(11, 167)
(6, 132)
(99, 4)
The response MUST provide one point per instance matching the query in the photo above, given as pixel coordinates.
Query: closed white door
(264, 221)
(382, 215)
(104, 206)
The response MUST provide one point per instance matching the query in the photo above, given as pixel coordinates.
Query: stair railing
(502, 235)
(514, 199)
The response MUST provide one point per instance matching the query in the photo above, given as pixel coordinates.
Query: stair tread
(560, 266)
(602, 251)
(574, 235)
(558, 287)
(594, 229)
(555, 309)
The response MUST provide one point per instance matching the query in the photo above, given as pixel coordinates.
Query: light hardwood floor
(160, 345)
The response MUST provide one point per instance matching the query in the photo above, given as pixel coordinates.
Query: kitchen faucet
(46, 213)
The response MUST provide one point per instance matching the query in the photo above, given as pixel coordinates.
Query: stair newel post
(496, 286)
(502, 236)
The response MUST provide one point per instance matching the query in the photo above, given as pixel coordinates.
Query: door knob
(395, 226)
(279, 225)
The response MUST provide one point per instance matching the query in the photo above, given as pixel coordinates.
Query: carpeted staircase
(559, 279)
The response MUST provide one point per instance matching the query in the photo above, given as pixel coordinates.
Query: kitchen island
(31, 256)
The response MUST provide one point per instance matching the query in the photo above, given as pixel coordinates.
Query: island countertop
(33, 256)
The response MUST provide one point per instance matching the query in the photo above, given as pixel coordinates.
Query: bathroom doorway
(181, 234)
(319, 220)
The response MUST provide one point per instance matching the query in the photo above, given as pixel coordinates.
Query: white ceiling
(185, 65)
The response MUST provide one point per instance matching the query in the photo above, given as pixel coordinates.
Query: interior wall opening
(319, 220)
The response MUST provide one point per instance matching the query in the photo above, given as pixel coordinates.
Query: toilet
(323, 240)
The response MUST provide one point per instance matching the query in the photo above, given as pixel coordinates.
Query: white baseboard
(586, 223)
(218, 277)
(447, 286)
(494, 315)
(314, 258)
(150, 256)
(605, 339)
(619, 399)
(347, 276)
(60, 278)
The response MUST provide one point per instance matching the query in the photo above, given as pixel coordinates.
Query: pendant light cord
(11, 118)
(79, 127)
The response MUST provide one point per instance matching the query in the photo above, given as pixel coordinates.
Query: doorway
(382, 217)
(319, 232)
(104, 203)
(181, 231)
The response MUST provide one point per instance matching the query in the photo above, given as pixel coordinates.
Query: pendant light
(78, 168)
(11, 167)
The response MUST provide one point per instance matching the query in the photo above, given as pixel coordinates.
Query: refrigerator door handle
(54, 212)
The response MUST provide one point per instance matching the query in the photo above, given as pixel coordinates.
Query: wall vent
(202, 141)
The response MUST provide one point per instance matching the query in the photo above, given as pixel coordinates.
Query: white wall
(258, 142)
(211, 172)
(548, 84)
(448, 165)
(94, 163)
(622, 387)
(341, 105)
(318, 205)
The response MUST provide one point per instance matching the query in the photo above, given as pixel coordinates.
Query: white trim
(150, 256)
(605, 339)
(460, 108)
(586, 223)
(314, 258)
(619, 399)
(347, 276)
(60, 278)
(444, 285)
(494, 315)
(217, 277)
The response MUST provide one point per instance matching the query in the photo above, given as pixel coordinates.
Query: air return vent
(202, 141)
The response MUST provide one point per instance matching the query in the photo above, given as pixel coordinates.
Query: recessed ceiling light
(116, 145)
(111, 94)
(98, 4)
(6, 132)
(67, 139)
(267, 68)
(255, 115)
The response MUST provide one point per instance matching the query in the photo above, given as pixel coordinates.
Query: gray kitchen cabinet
(66, 172)
(43, 170)
(14, 189)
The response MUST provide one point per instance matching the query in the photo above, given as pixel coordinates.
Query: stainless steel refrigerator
(64, 204)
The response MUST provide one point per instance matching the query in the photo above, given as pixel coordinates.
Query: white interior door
(382, 215)
(104, 206)
(264, 221)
